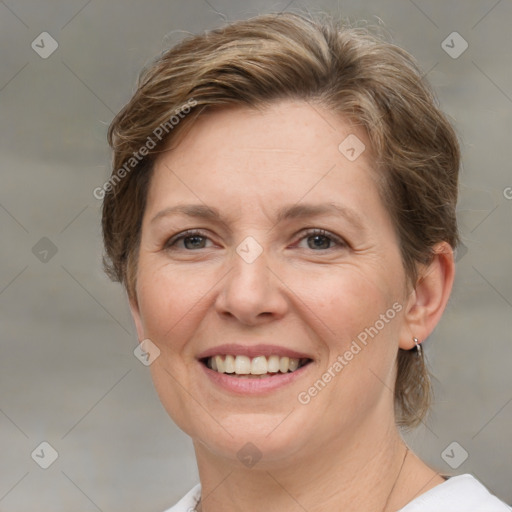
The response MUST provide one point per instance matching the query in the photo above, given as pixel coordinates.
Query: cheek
(171, 307)
(169, 299)
(363, 316)
(346, 300)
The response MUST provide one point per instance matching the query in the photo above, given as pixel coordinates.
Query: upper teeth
(243, 365)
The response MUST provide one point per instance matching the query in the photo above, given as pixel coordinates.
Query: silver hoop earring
(418, 346)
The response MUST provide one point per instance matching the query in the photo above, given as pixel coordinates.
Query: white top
(463, 493)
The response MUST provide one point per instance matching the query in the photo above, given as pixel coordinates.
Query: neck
(341, 474)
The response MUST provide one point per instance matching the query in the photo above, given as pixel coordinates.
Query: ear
(134, 309)
(428, 300)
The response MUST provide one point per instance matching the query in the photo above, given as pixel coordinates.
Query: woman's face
(256, 279)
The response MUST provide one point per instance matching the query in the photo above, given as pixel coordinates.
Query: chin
(270, 440)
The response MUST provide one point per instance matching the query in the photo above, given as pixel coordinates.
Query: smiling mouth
(255, 367)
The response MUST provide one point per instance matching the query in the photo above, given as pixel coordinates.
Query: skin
(342, 450)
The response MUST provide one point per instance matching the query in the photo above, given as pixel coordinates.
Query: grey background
(68, 375)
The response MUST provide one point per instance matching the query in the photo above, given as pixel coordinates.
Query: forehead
(286, 127)
(290, 148)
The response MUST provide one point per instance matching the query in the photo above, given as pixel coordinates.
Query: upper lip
(252, 351)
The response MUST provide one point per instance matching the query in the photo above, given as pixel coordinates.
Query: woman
(282, 214)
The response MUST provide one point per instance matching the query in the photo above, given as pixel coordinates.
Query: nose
(252, 292)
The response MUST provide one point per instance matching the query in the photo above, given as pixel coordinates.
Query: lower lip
(254, 386)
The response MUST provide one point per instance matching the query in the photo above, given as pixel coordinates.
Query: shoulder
(188, 502)
(463, 493)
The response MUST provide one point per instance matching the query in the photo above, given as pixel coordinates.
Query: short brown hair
(289, 56)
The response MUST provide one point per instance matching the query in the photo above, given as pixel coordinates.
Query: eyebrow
(295, 211)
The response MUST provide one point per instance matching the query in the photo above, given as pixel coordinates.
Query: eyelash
(169, 245)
